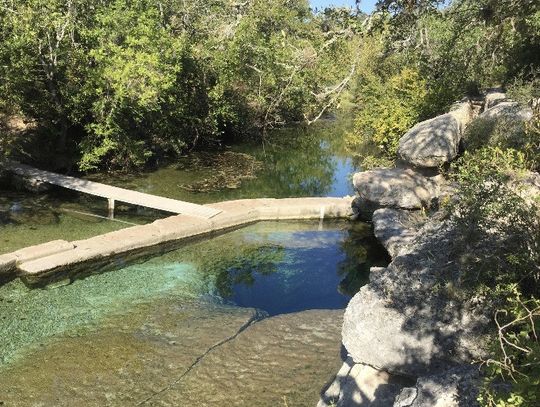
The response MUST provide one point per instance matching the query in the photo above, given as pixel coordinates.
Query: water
(185, 328)
(181, 322)
(291, 163)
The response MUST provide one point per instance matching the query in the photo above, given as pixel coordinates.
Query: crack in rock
(258, 316)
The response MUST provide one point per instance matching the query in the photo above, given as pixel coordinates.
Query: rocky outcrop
(510, 110)
(409, 321)
(416, 324)
(358, 384)
(396, 228)
(435, 142)
(393, 188)
(493, 97)
(454, 388)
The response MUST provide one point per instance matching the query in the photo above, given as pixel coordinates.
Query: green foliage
(516, 354)
(118, 83)
(388, 107)
(498, 250)
(506, 132)
(491, 210)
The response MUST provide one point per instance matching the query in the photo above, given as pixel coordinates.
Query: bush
(499, 232)
(507, 132)
(496, 218)
(388, 107)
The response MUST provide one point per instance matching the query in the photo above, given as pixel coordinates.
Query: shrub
(506, 132)
(499, 230)
(387, 109)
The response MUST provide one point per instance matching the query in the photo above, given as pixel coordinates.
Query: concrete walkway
(41, 264)
(112, 193)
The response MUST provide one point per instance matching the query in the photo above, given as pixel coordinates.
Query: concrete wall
(42, 264)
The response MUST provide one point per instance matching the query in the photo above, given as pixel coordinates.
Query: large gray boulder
(453, 388)
(393, 188)
(396, 228)
(435, 142)
(406, 322)
(509, 110)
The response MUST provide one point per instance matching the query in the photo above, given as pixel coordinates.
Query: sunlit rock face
(435, 142)
(393, 188)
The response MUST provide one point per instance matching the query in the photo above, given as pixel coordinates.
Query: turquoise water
(276, 267)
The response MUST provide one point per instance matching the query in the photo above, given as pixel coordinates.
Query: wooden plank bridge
(112, 193)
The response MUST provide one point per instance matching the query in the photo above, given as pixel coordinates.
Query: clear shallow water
(181, 328)
(294, 162)
(277, 267)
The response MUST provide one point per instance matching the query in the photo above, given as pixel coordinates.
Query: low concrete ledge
(42, 250)
(8, 265)
(51, 261)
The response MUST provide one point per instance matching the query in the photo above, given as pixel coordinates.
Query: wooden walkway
(113, 193)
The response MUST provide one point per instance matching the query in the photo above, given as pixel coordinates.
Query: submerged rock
(278, 361)
(175, 352)
(123, 360)
(435, 142)
(393, 188)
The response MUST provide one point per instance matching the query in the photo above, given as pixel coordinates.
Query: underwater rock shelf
(58, 260)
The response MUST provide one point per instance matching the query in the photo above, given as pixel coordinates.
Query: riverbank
(429, 316)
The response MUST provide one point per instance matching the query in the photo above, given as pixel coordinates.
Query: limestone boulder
(396, 228)
(435, 142)
(358, 385)
(494, 97)
(453, 388)
(405, 322)
(431, 143)
(393, 188)
(507, 110)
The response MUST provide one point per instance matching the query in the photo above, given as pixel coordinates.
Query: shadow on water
(297, 270)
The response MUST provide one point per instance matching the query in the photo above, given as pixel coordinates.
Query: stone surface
(431, 143)
(362, 386)
(42, 250)
(494, 97)
(7, 265)
(435, 142)
(124, 360)
(394, 188)
(464, 113)
(454, 388)
(405, 322)
(510, 110)
(114, 247)
(396, 228)
(263, 365)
